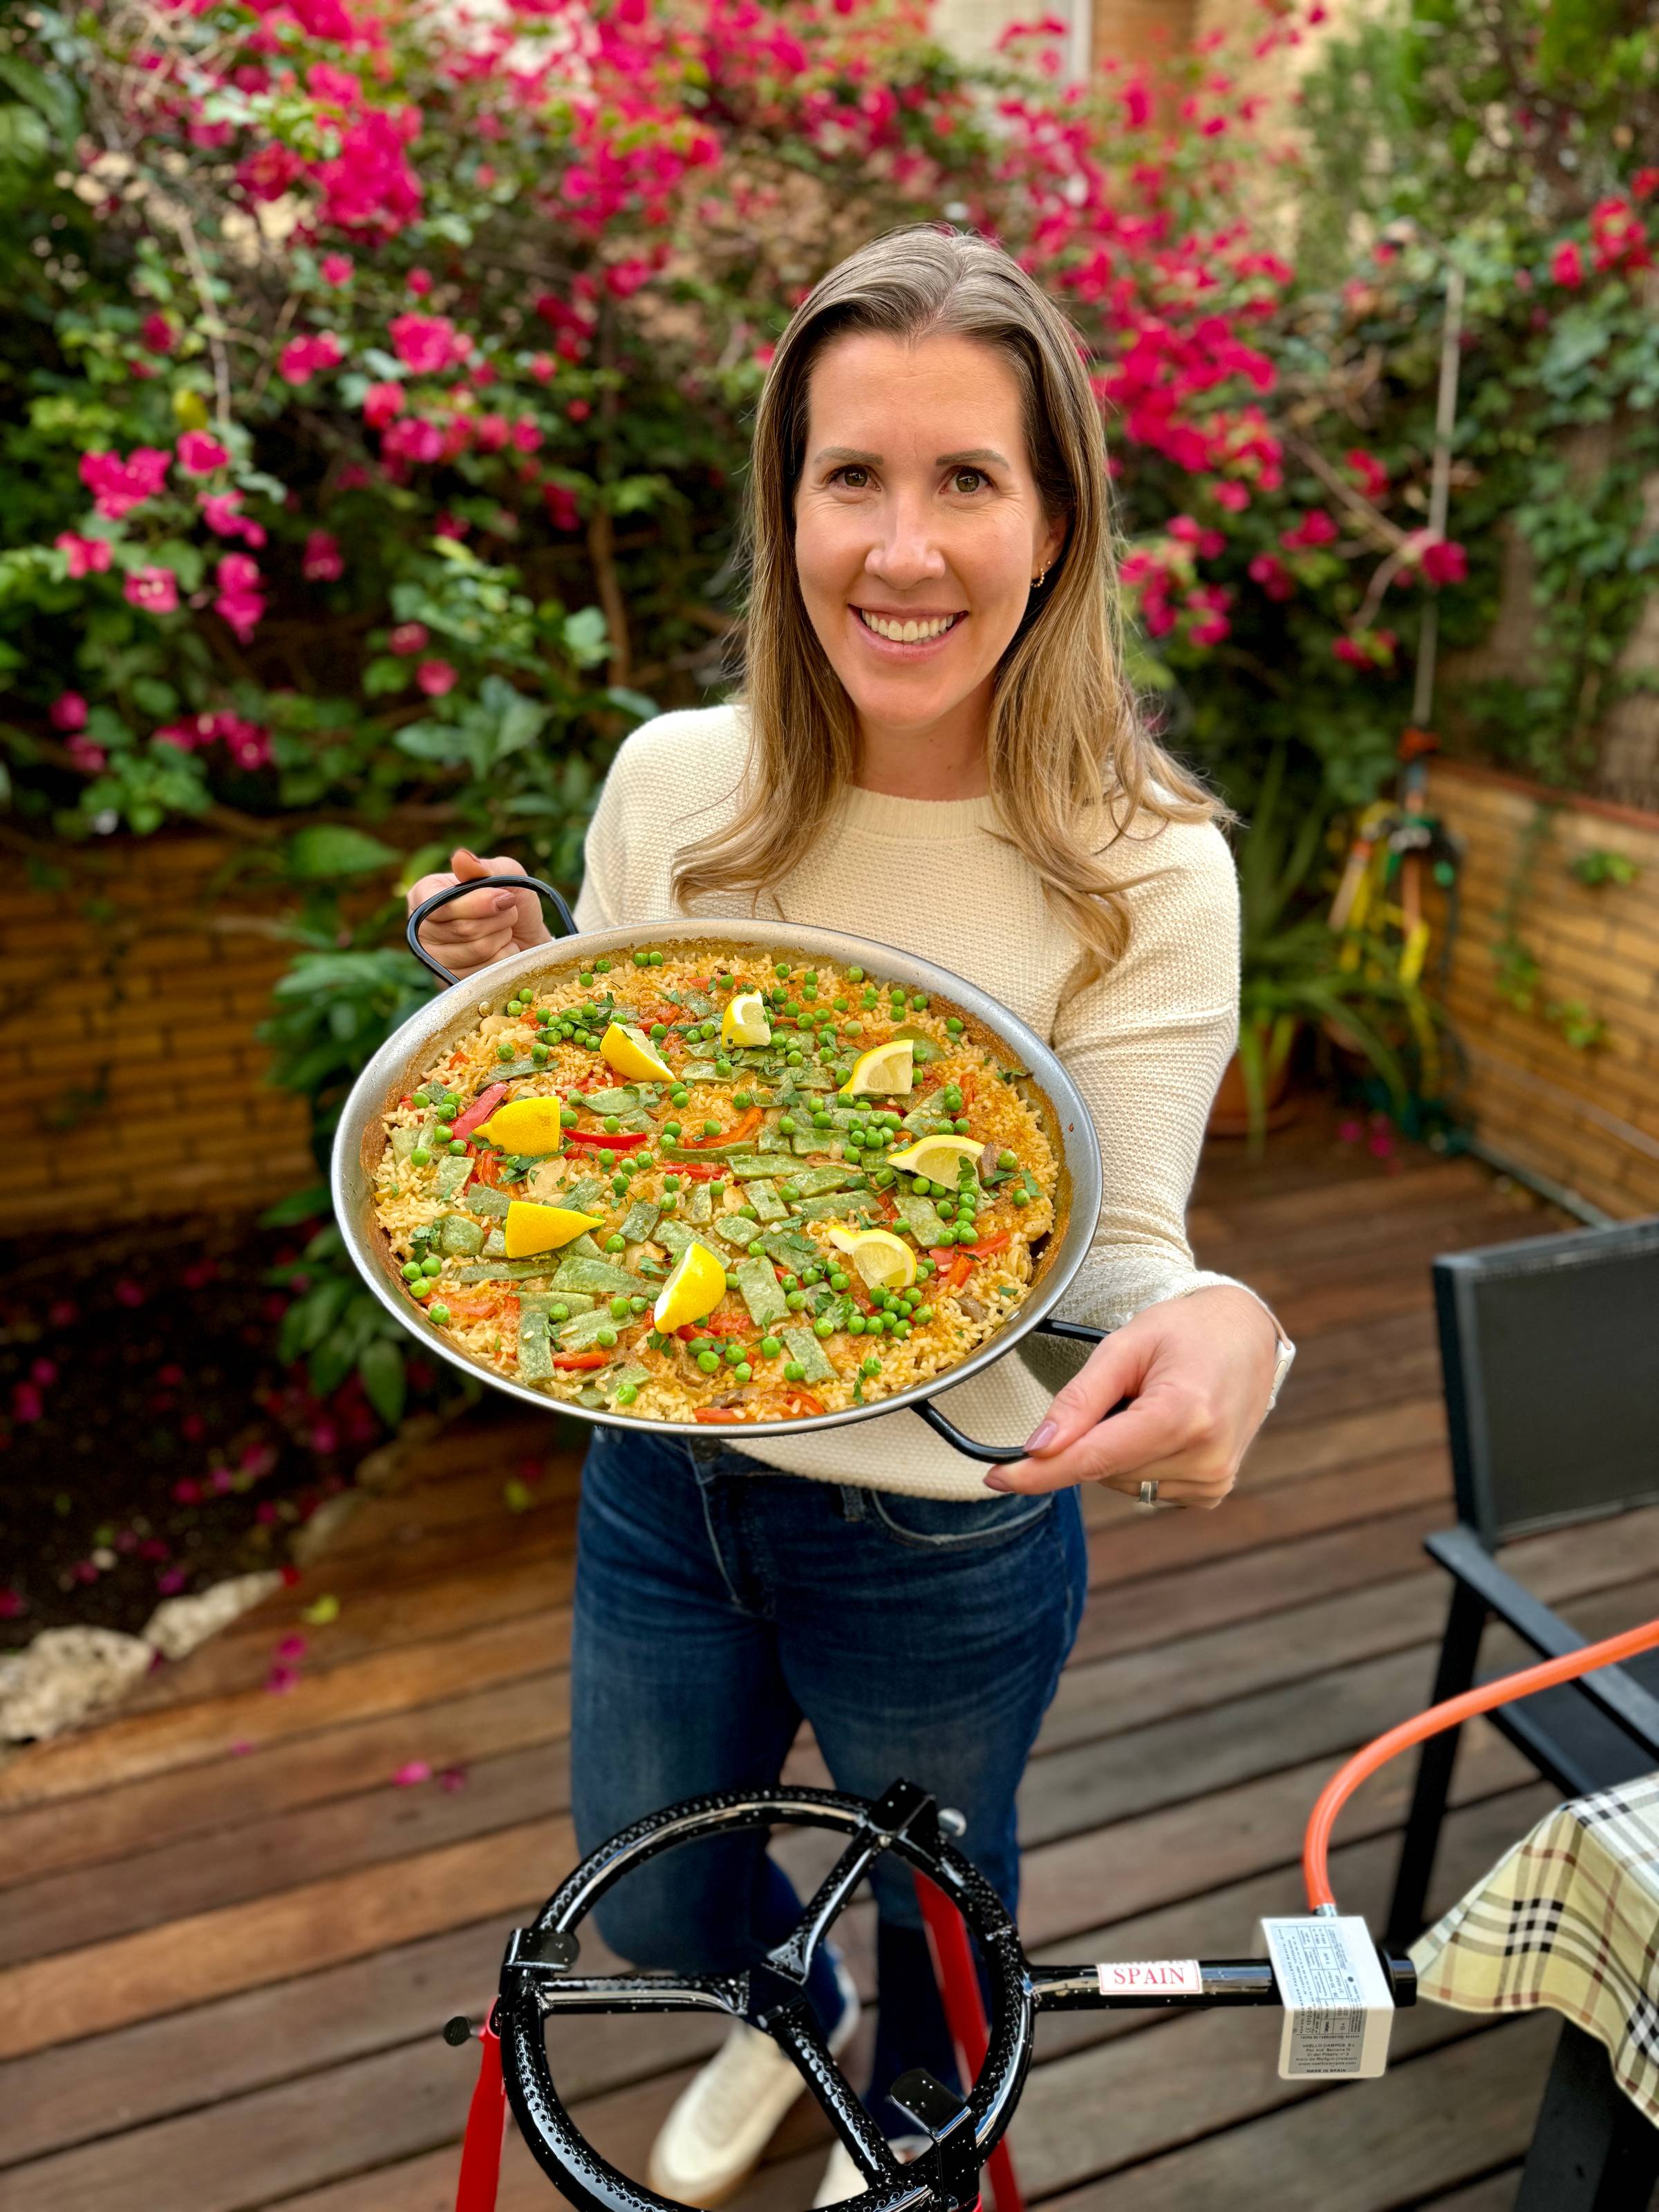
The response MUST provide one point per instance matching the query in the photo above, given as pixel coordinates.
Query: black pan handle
(1079, 1331)
(479, 884)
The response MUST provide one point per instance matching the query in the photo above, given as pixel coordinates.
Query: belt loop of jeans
(852, 1501)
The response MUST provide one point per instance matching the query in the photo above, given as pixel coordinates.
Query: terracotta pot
(1229, 1116)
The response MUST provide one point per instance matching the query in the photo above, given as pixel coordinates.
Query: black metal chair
(1549, 1351)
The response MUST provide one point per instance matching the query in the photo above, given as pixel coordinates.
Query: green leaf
(635, 702)
(386, 1384)
(298, 1206)
(586, 637)
(323, 851)
(54, 97)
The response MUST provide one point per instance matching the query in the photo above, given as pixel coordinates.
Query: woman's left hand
(1197, 1371)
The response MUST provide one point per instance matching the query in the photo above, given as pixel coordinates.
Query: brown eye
(956, 475)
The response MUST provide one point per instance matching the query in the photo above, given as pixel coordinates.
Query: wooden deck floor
(227, 1937)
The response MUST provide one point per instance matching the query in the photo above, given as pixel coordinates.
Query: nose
(906, 551)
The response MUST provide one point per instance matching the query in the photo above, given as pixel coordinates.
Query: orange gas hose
(1343, 1784)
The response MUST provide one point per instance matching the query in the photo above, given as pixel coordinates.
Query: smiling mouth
(894, 631)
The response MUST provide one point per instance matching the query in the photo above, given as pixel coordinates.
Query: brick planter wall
(1589, 1117)
(127, 1015)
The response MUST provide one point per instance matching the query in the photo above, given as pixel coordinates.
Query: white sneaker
(842, 2178)
(724, 2118)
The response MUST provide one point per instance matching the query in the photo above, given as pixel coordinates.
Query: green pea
(607, 1337)
(771, 1347)
(559, 1312)
(782, 968)
(658, 1030)
(439, 1313)
(747, 1213)
(856, 1029)
(731, 1281)
(585, 976)
(952, 1023)
(793, 1059)
(855, 974)
(432, 1265)
(924, 1315)
(717, 1185)
(856, 1324)
(616, 1243)
(670, 1128)
(841, 1005)
(794, 1371)
(966, 1233)
(744, 1098)
(743, 1372)
(790, 1282)
(654, 960)
(871, 1366)
(711, 1128)
(1006, 1159)
(503, 1051)
(918, 997)
(788, 1123)
(794, 1300)
(669, 1201)
(642, 960)
(619, 1307)
(824, 1326)
(411, 1271)
(821, 1119)
(756, 1250)
(871, 997)
(789, 1190)
(627, 1394)
(733, 1354)
(708, 1361)
(811, 1274)
(678, 1096)
(948, 1233)
(539, 1054)
(604, 967)
(838, 1280)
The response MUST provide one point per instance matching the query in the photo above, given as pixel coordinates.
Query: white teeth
(909, 632)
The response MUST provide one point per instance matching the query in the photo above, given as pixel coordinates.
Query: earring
(1036, 580)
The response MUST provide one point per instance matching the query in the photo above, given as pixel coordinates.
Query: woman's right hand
(474, 932)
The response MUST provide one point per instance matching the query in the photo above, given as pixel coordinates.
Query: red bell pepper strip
(700, 1171)
(481, 1108)
(718, 1413)
(744, 1126)
(989, 1244)
(582, 1359)
(802, 1401)
(618, 1140)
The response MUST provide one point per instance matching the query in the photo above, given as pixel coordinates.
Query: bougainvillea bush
(378, 376)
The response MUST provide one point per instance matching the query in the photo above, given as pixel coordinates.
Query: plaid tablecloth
(1569, 1917)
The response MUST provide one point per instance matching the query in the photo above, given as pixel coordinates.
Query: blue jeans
(717, 1601)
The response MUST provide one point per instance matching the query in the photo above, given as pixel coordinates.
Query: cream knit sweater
(1145, 1047)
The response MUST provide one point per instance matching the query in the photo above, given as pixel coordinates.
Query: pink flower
(337, 269)
(408, 638)
(170, 1582)
(1645, 183)
(369, 186)
(118, 485)
(382, 404)
(1372, 475)
(411, 1773)
(238, 604)
(1315, 528)
(414, 440)
(85, 755)
(542, 365)
(301, 358)
(1274, 578)
(428, 343)
(1567, 265)
(67, 712)
(154, 590)
(87, 556)
(526, 434)
(579, 410)
(435, 678)
(199, 455)
(221, 511)
(156, 333)
(322, 563)
(1233, 496)
(562, 509)
(489, 432)
(450, 526)
(1445, 562)
(419, 283)
(1368, 648)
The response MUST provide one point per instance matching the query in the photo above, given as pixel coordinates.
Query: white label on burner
(1172, 1977)
(1338, 2008)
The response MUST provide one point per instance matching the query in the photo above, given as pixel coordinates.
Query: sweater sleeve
(1147, 1045)
(602, 901)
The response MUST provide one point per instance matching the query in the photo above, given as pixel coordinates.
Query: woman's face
(916, 502)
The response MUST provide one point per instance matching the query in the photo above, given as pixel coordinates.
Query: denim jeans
(717, 1602)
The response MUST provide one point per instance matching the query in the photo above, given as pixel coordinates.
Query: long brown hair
(1068, 748)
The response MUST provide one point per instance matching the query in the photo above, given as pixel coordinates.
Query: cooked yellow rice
(660, 1377)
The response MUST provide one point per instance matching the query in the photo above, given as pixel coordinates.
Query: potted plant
(1292, 973)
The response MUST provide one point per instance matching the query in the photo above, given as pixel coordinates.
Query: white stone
(64, 1674)
(179, 1623)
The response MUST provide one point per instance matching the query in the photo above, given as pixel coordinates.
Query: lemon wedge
(531, 1228)
(885, 1069)
(524, 1125)
(693, 1290)
(937, 1158)
(630, 1052)
(882, 1260)
(744, 1020)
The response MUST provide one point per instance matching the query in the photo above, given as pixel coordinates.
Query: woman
(927, 450)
